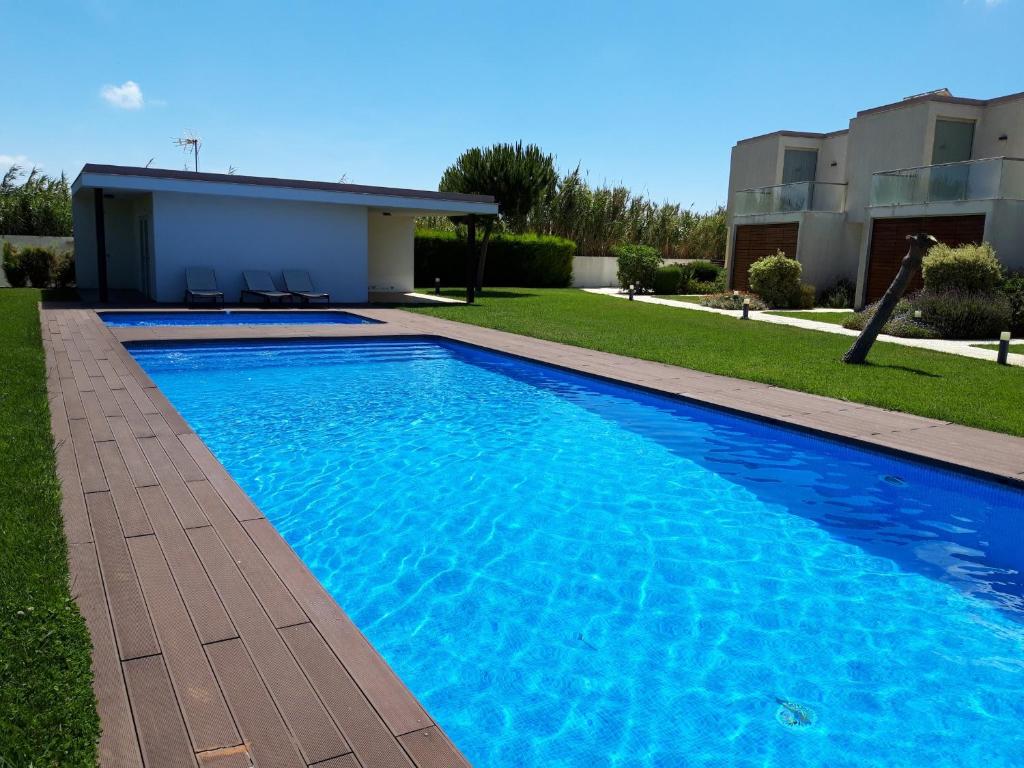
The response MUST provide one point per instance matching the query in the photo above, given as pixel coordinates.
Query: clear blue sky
(652, 95)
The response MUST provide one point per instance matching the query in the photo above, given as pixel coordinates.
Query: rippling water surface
(572, 573)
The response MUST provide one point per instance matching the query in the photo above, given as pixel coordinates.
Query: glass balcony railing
(993, 178)
(789, 198)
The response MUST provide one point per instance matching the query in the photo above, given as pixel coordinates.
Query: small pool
(231, 317)
(570, 572)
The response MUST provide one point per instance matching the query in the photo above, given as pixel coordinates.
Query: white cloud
(128, 95)
(6, 161)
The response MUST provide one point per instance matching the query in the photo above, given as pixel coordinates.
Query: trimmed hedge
(667, 279)
(776, 279)
(38, 267)
(638, 265)
(522, 261)
(972, 268)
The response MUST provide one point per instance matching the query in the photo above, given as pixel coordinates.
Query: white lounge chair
(260, 283)
(297, 283)
(201, 283)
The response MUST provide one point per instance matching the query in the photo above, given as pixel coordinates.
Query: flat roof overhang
(415, 202)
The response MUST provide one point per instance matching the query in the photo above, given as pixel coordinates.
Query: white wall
(822, 250)
(391, 241)
(84, 224)
(233, 234)
(594, 271)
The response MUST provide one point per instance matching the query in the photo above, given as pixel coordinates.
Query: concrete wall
(1004, 229)
(84, 223)
(594, 272)
(391, 245)
(1001, 119)
(822, 249)
(232, 234)
(55, 244)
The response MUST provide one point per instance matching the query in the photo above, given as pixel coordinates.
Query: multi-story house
(842, 203)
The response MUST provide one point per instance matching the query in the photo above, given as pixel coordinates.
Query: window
(799, 165)
(954, 140)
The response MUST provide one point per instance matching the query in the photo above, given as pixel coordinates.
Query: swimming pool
(229, 317)
(569, 572)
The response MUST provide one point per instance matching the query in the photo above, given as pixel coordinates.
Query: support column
(101, 245)
(471, 257)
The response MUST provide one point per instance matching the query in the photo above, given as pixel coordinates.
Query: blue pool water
(229, 317)
(568, 572)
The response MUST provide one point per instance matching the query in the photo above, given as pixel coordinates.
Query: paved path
(963, 348)
(213, 644)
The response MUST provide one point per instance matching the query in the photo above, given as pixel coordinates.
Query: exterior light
(917, 314)
(1004, 348)
(632, 288)
(746, 309)
(735, 293)
(1003, 137)
(437, 286)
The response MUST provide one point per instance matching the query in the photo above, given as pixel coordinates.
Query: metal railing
(789, 198)
(987, 179)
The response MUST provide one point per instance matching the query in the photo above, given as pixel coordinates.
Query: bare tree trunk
(488, 226)
(919, 245)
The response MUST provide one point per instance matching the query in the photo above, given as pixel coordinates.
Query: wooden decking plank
(162, 734)
(88, 461)
(106, 398)
(388, 695)
(72, 399)
(139, 395)
(362, 727)
(138, 467)
(136, 420)
(430, 748)
(110, 375)
(206, 714)
(81, 376)
(134, 521)
(258, 719)
(97, 419)
(238, 502)
(76, 518)
(260, 575)
(132, 627)
(345, 761)
(174, 420)
(119, 745)
(208, 615)
(177, 492)
(180, 457)
(316, 734)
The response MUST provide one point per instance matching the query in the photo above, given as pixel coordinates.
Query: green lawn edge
(835, 318)
(934, 384)
(1015, 349)
(46, 698)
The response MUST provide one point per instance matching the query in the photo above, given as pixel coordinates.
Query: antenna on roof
(190, 143)
(150, 161)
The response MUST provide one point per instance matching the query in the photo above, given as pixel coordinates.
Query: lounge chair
(201, 283)
(297, 283)
(260, 283)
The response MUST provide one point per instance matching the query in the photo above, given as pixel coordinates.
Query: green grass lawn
(836, 318)
(47, 708)
(1016, 349)
(942, 386)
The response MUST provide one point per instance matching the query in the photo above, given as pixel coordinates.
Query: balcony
(791, 198)
(995, 178)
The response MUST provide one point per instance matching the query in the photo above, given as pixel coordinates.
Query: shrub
(902, 323)
(64, 269)
(638, 265)
(805, 297)
(727, 300)
(964, 314)
(965, 268)
(667, 279)
(1013, 289)
(525, 261)
(704, 271)
(705, 287)
(12, 267)
(776, 279)
(38, 265)
(840, 295)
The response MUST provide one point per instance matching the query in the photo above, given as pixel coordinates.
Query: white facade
(836, 206)
(351, 240)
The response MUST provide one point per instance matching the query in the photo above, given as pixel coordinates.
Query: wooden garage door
(755, 241)
(889, 245)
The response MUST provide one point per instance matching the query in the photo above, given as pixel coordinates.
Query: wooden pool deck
(213, 644)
